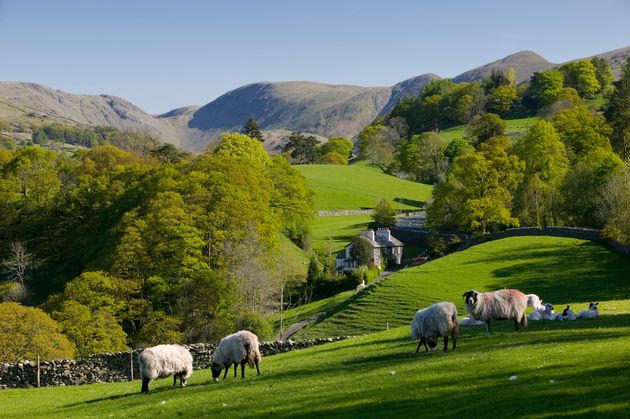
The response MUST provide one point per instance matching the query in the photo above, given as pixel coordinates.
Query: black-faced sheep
(568, 314)
(504, 304)
(163, 361)
(591, 313)
(238, 348)
(434, 321)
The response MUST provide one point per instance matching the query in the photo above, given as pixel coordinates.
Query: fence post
(387, 326)
(38, 368)
(131, 363)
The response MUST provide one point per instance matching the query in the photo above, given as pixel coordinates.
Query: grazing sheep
(361, 286)
(163, 361)
(470, 321)
(237, 348)
(434, 321)
(568, 314)
(591, 313)
(506, 304)
(534, 301)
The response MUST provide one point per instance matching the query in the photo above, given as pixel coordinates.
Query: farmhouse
(384, 246)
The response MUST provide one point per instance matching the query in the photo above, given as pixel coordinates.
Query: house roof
(380, 241)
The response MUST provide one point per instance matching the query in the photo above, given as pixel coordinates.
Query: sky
(162, 55)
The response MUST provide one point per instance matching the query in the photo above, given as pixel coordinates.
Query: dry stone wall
(116, 367)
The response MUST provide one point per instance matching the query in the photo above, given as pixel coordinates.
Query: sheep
(434, 321)
(163, 361)
(591, 313)
(535, 316)
(238, 348)
(361, 286)
(506, 304)
(534, 301)
(470, 321)
(568, 314)
(547, 313)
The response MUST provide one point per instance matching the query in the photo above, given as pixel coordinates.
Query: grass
(339, 229)
(514, 128)
(561, 271)
(562, 369)
(305, 311)
(360, 185)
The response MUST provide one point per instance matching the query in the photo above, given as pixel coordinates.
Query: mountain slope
(409, 87)
(32, 100)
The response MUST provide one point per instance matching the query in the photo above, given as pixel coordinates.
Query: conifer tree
(252, 129)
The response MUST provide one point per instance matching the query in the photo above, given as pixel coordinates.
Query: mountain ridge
(321, 109)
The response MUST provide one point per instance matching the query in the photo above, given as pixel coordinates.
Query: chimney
(369, 234)
(383, 233)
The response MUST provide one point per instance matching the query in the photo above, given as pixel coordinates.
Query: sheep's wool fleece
(433, 321)
(165, 360)
(233, 349)
(501, 304)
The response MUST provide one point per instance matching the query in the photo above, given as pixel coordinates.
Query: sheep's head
(549, 307)
(471, 297)
(216, 371)
(593, 306)
(432, 342)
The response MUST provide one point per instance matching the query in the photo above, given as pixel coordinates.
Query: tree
(581, 131)
(242, 146)
(457, 147)
(28, 332)
(333, 157)
(362, 251)
(545, 87)
(603, 72)
(20, 263)
(252, 130)
(614, 206)
(502, 98)
(302, 148)
(486, 126)
(423, 156)
(336, 151)
(384, 213)
(617, 112)
(581, 76)
(378, 143)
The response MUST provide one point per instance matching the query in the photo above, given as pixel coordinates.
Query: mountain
(39, 102)
(409, 87)
(524, 63)
(318, 109)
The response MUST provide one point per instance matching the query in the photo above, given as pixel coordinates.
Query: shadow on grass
(410, 202)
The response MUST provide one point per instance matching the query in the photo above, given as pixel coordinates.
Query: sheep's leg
(489, 326)
(454, 341)
(175, 380)
(226, 371)
(257, 370)
(426, 348)
(445, 343)
(418, 348)
(243, 362)
(235, 367)
(515, 325)
(145, 385)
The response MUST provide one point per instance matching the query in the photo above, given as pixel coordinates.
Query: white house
(384, 245)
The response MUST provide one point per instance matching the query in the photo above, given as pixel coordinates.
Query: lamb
(434, 321)
(568, 314)
(506, 304)
(591, 313)
(163, 361)
(470, 321)
(534, 301)
(238, 348)
(547, 313)
(535, 316)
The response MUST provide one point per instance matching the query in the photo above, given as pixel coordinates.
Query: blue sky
(165, 54)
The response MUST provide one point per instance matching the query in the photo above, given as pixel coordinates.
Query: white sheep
(238, 348)
(591, 313)
(535, 316)
(361, 286)
(547, 312)
(568, 314)
(506, 304)
(434, 321)
(534, 301)
(163, 361)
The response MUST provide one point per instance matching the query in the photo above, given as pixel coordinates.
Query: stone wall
(115, 367)
(574, 233)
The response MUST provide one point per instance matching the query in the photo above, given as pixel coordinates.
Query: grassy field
(552, 369)
(561, 271)
(514, 128)
(339, 229)
(360, 185)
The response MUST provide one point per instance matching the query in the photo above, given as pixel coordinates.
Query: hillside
(524, 63)
(362, 187)
(549, 369)
(561, 271)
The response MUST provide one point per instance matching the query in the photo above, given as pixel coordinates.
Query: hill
(550, 369)
(561, 271)
(409, 87)
(363, 186)
(524, 63)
